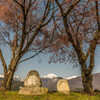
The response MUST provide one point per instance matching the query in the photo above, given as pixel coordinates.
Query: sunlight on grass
(50, 96)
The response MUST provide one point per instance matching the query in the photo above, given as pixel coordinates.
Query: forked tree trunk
(87, 82)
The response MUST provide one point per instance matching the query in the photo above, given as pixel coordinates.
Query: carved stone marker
(63, 87)
(32, 79)
(32, 84)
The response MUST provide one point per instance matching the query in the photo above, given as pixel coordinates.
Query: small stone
(63, 87)
(33, 79)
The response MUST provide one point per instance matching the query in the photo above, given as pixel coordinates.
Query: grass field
(50, 96)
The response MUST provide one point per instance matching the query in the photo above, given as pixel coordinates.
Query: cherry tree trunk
(9, 83)
(8, 80)
(87, 82)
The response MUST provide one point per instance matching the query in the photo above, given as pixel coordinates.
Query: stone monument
(32, 84)
(33, 79)
(63, 87)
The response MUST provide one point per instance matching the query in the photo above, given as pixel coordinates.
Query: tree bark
(87, 83)
(8, 81)
(10, 73)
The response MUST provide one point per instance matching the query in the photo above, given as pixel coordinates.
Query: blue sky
(60, 69)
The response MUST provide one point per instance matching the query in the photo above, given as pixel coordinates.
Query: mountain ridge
(74, 82)
(16, 78)
(49, 76)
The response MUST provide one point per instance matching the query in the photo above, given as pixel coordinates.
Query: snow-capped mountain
(16, 78)
(68, 78)
(50, 81)
(50, 76)
(1, 76)
(75, 82)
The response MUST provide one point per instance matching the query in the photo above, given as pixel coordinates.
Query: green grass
(50, 96)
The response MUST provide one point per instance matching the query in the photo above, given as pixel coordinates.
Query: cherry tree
(77, 28)
(23, 24)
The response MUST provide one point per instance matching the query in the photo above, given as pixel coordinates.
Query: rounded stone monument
(63, 87)
(32, 84)
(33, 79)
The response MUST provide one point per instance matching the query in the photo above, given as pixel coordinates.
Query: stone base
(33, 90)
